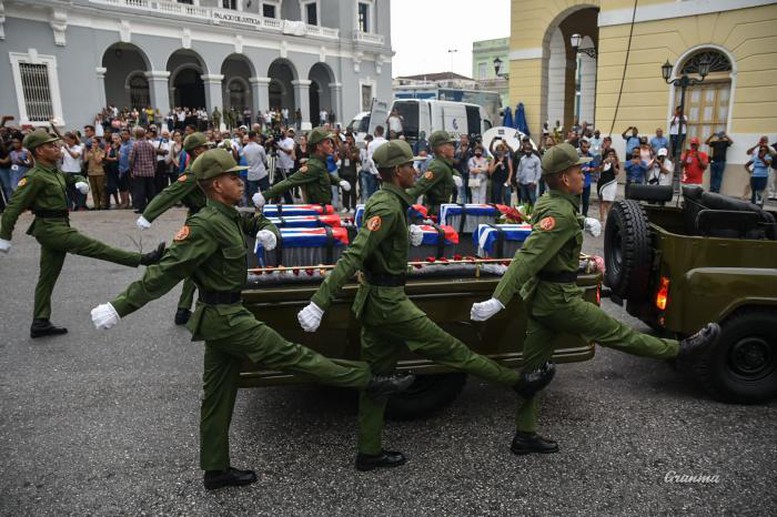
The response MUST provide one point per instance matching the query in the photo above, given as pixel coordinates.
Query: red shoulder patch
(182, 234)
(547, 223)
(428, 175)
(22, 182)
(374, 223)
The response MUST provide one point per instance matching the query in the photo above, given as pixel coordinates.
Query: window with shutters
(707, 104)
(37, 87)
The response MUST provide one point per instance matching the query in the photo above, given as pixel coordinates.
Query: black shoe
(527, 443)
(182, 316)
(152, 257)
(214, 479)
(42, 328)
(385, 459)
(384, 385)
(696, 344)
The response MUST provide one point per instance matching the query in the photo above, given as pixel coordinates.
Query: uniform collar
(52, 168)
(399, 192)
(227, 210)
(443, 160)
(574, 200)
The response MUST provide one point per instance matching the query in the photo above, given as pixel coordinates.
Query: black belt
(561, 277)
(51, 214)
(384, 279)
(220, 297)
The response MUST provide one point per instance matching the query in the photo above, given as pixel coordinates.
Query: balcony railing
(215, 16)
(368, 37)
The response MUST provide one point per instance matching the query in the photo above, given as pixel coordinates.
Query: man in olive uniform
(390, 321)
(185, 191)
(43, 190)
(544, 271)
(315, 180)
(440, 180)
(211, 249)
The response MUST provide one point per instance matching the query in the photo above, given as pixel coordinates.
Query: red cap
(695, 140)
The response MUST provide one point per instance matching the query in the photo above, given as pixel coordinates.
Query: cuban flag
(312, 237)
(306, 221)
(487, 236)
(449, 210)
(432, 236)
(284, 210)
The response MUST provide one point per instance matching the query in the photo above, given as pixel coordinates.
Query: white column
(213, 91)
(158, 88)
(302, 98)
(260, 87)
(557, 68)
(101, 97)
(336, 91)
(587, 88)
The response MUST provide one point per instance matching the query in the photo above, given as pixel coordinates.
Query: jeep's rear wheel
(428, 394)
(627, 250)
(742, 368)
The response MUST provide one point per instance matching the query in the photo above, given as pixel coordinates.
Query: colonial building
(613, 78)
(68, 59)
(490, 66)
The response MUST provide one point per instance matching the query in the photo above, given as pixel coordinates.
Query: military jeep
(707, 258)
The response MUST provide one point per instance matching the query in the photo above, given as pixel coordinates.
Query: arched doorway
(237, 70)
(126, 84)
(281, 91)
(320, 77)
(186, 87)
(706, 104)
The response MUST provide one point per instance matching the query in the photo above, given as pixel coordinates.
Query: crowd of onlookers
(127, 165)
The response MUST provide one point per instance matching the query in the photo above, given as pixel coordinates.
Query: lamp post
(684, 81)
(498, 68)
(575, 40)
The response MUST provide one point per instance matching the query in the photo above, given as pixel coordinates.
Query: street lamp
(498, 68)
(575, 40)
(683, 82)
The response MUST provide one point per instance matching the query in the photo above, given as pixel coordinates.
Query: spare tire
(427, 395)
(627, 251)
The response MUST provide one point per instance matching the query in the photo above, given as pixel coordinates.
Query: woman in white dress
(478, 175)
(607, 186)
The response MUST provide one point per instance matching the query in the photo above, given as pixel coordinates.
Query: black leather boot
(384, 385)
(386, 459)
(41, 327)
(699, 343)
(214, 479)
(152, 257)
(527, 443)
(182, 316)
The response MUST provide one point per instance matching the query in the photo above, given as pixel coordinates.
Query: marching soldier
(440, 180)
(390, 321)
(185, 191)
(211, 249)
(43, 190)
(315, 180)
(544, 273)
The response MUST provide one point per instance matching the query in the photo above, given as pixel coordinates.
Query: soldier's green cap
(215, 162)
(440, 137)
(392, 153)
(37, 138)
(318, 134)
(560, 157)
(194, 141)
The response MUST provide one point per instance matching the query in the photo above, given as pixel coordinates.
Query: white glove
(104, 316)
(457, 180)
(267, 239)
(310, 317)
(415, 235)
(258, 200)
(82, 187)
(484, 310)
(345, 185)
(593, 226)
(5, 245)
(143, 223)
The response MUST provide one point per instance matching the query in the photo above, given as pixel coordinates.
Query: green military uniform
(390, 321)
(43, 190)
(543, 273)
(211, 249)
(185, 191)
(314, 178)
(436, 184)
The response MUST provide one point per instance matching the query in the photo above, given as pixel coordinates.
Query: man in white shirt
(662, 170)
(285, 160)
(257, 178)
(675, 141)
(162, 150)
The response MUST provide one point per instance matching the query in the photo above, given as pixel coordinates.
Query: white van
(457, 118)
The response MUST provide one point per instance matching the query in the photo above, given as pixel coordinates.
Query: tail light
(662, 296)
(598, 293)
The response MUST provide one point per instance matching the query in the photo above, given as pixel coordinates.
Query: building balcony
(368, 37)
(221, 17)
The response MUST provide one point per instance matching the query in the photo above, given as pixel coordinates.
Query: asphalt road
(106, 423)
